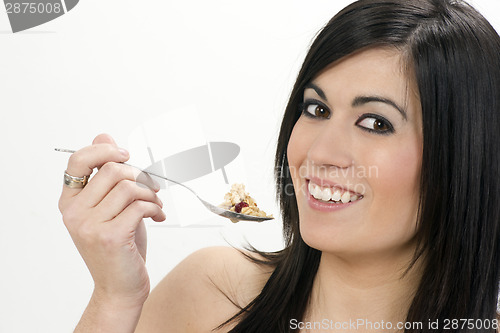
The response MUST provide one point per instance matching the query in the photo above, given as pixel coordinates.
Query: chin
(328, 235)
(352, 239)
(330, 231)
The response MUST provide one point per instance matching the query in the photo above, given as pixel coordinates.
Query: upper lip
(332, 184)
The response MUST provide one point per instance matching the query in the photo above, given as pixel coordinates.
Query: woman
(388, 178)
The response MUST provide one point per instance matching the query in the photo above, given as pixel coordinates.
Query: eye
(314, 109)
(375, 123)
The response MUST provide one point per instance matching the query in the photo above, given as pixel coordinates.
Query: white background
(183, 73)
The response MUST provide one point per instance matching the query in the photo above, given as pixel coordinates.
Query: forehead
(379, 71)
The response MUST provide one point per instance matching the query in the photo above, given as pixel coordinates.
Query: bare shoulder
(203, 291)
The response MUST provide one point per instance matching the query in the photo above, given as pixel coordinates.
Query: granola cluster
(239, 201)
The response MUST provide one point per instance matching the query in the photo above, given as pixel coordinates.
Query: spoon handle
(71, 151)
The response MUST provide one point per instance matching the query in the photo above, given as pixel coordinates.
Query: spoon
(233, 216)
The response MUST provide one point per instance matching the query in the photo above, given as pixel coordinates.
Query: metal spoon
(233, 216)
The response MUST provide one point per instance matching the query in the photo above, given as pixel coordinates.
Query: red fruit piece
(239, 206)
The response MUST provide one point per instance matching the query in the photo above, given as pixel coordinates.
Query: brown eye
(317, 110)
(380, 125)
(375, 124)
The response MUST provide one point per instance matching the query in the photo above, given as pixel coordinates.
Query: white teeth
(326, 194)
(336, 195)
(346, 197)
(316, 191)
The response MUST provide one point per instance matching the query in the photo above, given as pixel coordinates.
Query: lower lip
(327, 206)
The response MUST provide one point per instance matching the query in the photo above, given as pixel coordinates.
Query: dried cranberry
(239, 206)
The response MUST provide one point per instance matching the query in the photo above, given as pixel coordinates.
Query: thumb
(104, 138)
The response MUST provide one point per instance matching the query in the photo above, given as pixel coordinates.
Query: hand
(105, 221)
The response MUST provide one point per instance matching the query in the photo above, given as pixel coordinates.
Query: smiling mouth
(332, 194)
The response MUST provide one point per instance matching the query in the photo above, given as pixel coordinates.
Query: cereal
(239, 201)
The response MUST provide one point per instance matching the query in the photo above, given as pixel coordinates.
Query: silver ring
(75, 182)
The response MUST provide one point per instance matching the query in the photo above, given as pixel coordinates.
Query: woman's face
(355, 156)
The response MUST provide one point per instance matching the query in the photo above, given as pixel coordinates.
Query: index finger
(82, 162)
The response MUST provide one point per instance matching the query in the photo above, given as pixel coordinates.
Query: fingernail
(156, 185)
(124, 152)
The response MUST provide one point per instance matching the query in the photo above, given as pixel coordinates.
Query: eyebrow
(361, 100)
(317, 89)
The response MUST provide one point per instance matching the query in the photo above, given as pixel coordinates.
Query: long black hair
(454, 55)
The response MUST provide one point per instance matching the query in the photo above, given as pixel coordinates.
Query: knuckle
(136, 190)
(70, 217)
(61, 205)
(126, 185)
(67, 221)
(94, 235)
(86, 232)
(113, 170)
(76, 158)
(128, 188)
(109, 167)
(107, 239)
(140, 206)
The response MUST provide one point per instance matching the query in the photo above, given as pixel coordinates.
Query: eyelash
(303, 108)
(389, 130)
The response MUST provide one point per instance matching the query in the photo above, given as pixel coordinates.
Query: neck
(372, 288)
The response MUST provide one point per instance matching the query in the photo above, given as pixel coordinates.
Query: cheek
(297, 149)
(395, 185)
(397, 171)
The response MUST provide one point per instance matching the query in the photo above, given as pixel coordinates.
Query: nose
(332, 146)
